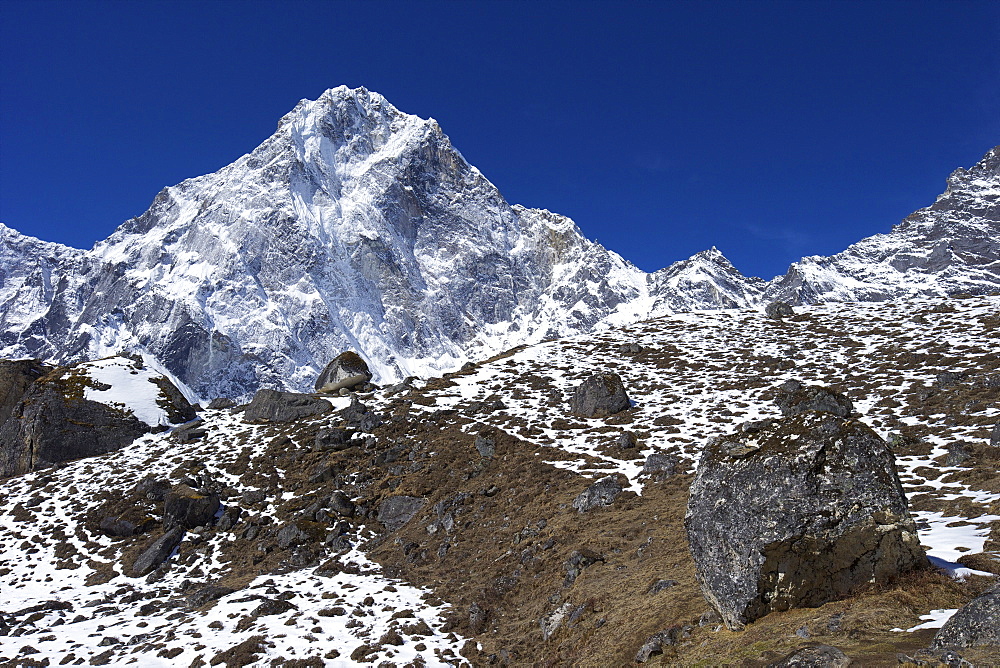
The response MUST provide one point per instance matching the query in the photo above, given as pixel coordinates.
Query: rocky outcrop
(70, 413)
(52, 425)
(16, 376)
(795, 514)
(975, 625)
(346, 371)
(274, 406)
(600, 395)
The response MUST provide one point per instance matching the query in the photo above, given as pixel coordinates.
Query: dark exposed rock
(190, 431)
(486, 444)
(477, 618)
(958, 453)
(778, 310)
(300, 533)
(219, 403)
(601, 493)
(332, 438)
(796, 515)
(359, 416)
(157, 552)
(273, 406)
(16, 376)
(949, 378)
(977, 624)
(577, 562)
(188, 508)
(655, 643)
(54, 423)
(662, 585)
(152, 488)
(995, 436)
(793, 398)
(627, 440)
(599, 395)
(230, 516)
(342, 504)
(121, 527)
(207, 594)
(660, 463)
(814, 656)
(396, 511)
(346, 370)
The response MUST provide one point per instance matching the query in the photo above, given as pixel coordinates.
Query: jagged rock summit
(357, 226)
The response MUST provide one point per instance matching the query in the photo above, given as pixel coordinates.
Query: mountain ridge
(357, 226)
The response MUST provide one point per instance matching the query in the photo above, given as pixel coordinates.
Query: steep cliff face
(357, 226)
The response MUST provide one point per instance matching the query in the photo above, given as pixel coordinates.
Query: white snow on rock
(129, 386)
(357, 226)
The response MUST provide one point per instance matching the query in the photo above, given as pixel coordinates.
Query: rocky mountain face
(949, 247)
(357, 226)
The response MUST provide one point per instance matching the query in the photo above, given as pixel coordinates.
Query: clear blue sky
(769, 129)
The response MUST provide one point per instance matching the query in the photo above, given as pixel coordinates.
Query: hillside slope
(449, 516)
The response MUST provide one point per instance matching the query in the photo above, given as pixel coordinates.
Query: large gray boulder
(795, 514)
(599, 395)
(55, 421)
(793, 397)
(274, 406)
(975, 625)
(346, 370)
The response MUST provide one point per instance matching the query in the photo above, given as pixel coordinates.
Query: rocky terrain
(357, 226)
(535, 507)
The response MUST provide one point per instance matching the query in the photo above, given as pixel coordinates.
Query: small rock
(477, 618)
(995, 436)
(551, 622)
(486, 444)
(627, 440)
(158, 552)
(958, 453)
(661, 585)
(655, 643)
(660, 463)
(185, 507)
(271, 406)
(220, 403)
(816, 656)
(207, 594)
(342, 504)
(577, 562)
(601, 493)
(332, 438)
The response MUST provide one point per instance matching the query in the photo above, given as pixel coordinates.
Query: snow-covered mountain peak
(358, 226)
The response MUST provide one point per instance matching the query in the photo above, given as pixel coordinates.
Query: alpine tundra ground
(491, 562)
